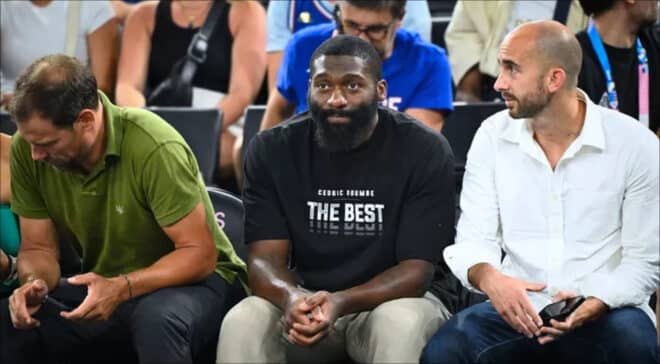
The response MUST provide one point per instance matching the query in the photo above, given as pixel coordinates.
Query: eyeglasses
(374, 32)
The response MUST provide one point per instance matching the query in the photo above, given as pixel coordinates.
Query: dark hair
(349, 45)
(596, 7)
(57, 87)
(396, 7)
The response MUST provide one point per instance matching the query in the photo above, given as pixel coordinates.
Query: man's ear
(557, 79)
(381, 90)
(86, 119)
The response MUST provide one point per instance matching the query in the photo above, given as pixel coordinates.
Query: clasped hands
(308, 318)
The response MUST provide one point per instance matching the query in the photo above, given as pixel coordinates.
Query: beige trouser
(395, 331)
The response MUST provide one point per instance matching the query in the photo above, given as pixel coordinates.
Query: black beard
(347, 136)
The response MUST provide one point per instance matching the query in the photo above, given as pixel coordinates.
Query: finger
(547, 330)
(305, 340)
(513, 321)
(546, 339)
(22, 318)
(531, 311)
(311, 330)
(529, 327)
(534, 287)
(562, 295)
(316, 299)
(82, 311)
(560, 325)
(81, 279)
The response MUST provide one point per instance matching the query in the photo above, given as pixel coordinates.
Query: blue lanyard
(597, 43)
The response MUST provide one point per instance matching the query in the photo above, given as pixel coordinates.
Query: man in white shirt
(569, 191)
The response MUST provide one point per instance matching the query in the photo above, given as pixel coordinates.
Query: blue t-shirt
(417, 72)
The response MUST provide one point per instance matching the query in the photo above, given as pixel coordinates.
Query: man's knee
(406, 316)
(253, 316)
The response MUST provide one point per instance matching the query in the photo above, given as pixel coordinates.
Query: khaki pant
(396, 332)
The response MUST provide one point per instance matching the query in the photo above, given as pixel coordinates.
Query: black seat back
(229, 213)
(462, 124)
(6, 125)
(201, 129)
(253, 116)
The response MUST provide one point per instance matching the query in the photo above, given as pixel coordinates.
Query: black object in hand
(560, 310)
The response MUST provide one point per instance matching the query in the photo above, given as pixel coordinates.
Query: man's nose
(38, 153)
(337, 98)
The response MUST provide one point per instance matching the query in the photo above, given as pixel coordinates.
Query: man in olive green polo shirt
(159, 272)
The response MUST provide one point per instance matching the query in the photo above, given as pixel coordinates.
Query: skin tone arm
(193, 258)
(247, 23)
(469, 88)
(102, 46)
(5, 192)
(134, 58)
(278, 109)
(434, 119)
(5, 195)
(273, 59)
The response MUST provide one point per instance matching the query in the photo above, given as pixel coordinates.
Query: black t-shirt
(351, 215)
(623, 62)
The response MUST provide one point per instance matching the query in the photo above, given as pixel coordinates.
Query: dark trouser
(479, 335)
(171, 325)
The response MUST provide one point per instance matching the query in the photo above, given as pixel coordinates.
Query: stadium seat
(201, 129)
(229, 213)
(253, 116)
(6, 125)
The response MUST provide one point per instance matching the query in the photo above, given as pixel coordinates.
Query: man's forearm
(182, 266)
(409, 278)
(478, 274)
(273, 282)
(37, 264)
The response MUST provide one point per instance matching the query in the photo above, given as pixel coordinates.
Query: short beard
(531, 105)
(343, 137)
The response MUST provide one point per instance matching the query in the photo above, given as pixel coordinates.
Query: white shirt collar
(591, 134)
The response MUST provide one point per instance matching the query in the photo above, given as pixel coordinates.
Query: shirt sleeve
(277, 20)
(478, 235)
(637, 275)
(426, 223)
(435, 89)
(418, 18)
(94, 14)
(264, 216)
(172, 183)
(285, 82)
(26, 197)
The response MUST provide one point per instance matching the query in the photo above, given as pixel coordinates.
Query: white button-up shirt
(590, 225)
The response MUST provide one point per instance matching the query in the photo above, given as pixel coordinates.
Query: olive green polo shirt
(147, 179)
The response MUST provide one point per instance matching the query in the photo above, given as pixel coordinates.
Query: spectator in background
(122, 8)
(476, 29)
(286, 17)
(32, 29)
(363, 198)
(569, 191)
(631, 45)
(157, 35)
(9, 237)
(416, 71)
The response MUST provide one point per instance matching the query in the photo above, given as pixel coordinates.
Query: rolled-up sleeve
(478, 235)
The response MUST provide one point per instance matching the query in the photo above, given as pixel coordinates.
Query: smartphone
(56, 304)
(65, 297)
(560, 310)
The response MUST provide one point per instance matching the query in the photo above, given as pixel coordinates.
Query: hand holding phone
(560, 310)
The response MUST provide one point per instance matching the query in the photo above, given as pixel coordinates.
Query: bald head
(552, 44)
